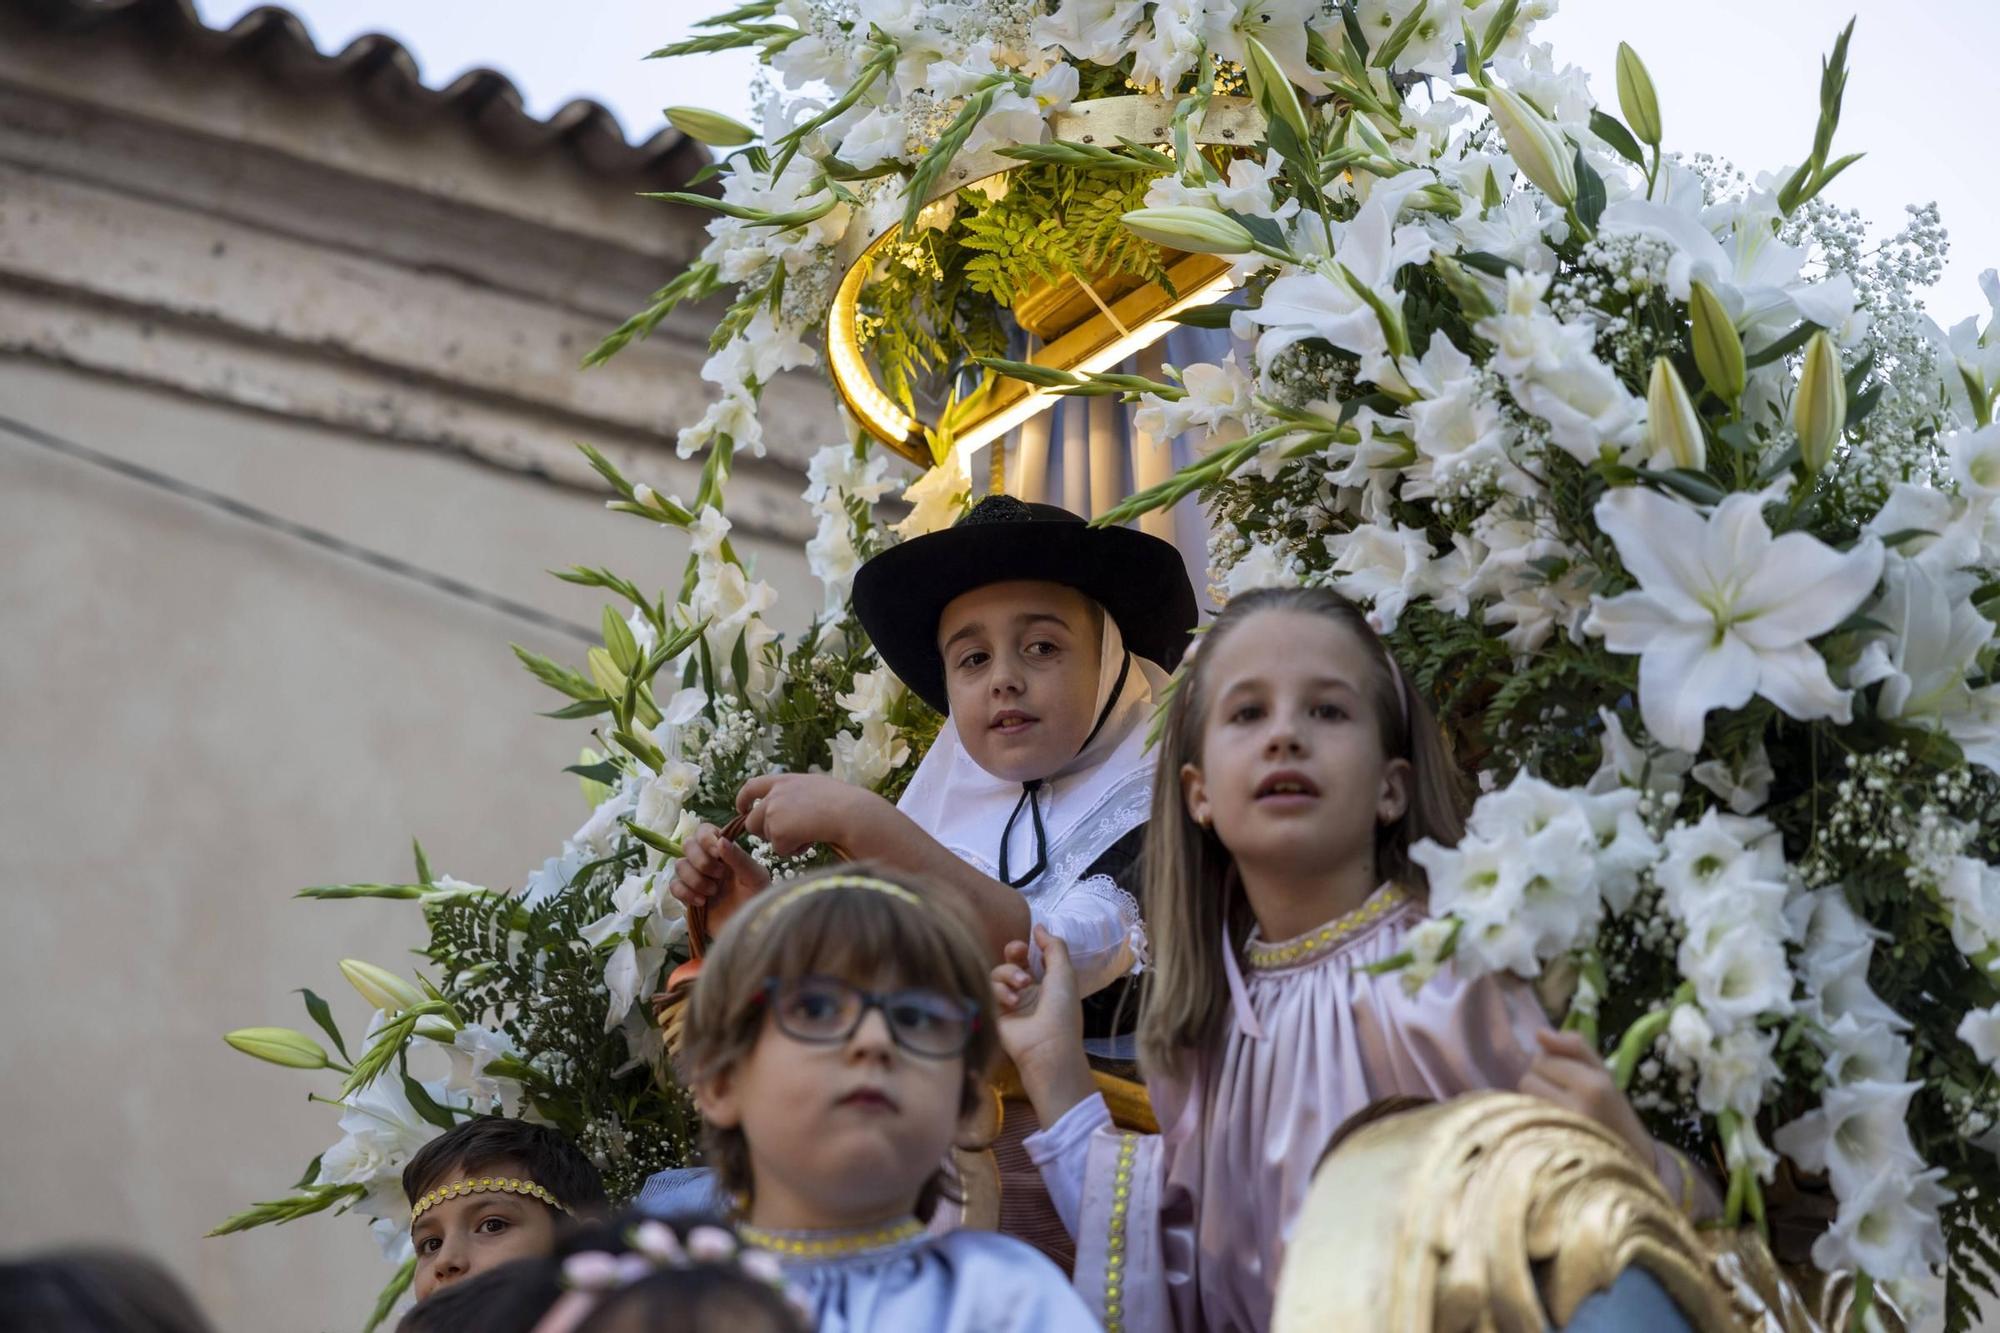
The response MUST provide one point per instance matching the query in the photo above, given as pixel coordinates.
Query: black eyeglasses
(826, 1011)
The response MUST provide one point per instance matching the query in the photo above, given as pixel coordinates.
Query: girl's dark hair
(549, 1159)
(856, 934)
(1188, 902)
(509, 1299)
(94, 1291)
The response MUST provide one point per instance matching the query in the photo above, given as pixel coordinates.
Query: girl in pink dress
(1296, 770)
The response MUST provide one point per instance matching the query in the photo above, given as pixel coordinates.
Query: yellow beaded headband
(485, 1185)
(809, 887)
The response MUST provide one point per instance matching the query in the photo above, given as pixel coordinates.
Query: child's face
(468, 1235)
(840, 1133)
(1020, 667)
(1292, 774)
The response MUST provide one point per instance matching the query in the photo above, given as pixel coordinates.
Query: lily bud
(709, 127)
(1473, 302)
(1184, 227)
(1672, 426)
(280, 1046)
(436, 1027)
(380, 987)
(1819, 412)
(606, 673)
(1636, 98)
(1272, 88)
(1718, 348)
(1435, 198)
(1536, 146)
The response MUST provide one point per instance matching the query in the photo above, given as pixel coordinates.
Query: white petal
(1684, 675)
(1795, 679)
(1631, 621)
(1661, 542)
(1800, 588)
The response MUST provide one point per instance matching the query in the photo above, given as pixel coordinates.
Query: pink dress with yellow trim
(1185, 1230)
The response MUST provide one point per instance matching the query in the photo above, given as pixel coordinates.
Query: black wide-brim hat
(1139, 580)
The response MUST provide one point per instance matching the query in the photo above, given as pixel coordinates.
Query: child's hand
(713, 867)
(792, 811)
(1041, 1025)
(1569, 1073)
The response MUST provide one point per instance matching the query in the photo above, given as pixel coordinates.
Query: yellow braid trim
(484, 1185)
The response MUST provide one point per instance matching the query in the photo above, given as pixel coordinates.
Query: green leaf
(1205, 316)
(422, 1103)
(1264, 230)
(739, 662)
(1400, 36)
(423, 865)
(1784, 346)
(1861, 404)
(1696, 486)
(1496, 29)
(1590, 197)
(605, 772)
(582, 709)
(322, 1014)
(312, 1169)
(1612, 130)
(1901, 535)
(1493, 266)
(391, 1294)
(558, 677)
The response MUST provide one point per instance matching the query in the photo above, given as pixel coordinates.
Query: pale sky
(1737, 78)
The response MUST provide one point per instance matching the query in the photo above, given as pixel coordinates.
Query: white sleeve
(1100, 923)
(1062, 1152)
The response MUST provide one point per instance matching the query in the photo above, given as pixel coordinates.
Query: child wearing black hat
(1047, 643)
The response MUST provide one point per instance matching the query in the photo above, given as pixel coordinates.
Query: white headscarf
(1092, 801)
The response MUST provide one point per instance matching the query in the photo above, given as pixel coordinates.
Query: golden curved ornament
(1501, 1213)
(1083, 327)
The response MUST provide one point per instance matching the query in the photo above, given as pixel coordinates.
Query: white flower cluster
(873, 748)
(1533, 876)
(1859, 1134)
(1724, 881)
(835, 476)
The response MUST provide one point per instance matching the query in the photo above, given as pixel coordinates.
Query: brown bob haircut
(858, 934)
(1190, 895)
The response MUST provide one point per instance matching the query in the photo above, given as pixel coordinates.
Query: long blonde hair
(1192, 909)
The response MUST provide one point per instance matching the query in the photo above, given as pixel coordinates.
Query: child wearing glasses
(836, 1043)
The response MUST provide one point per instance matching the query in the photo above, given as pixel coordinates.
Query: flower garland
(1659, 479)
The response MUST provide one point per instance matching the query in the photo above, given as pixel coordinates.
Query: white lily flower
(1262, 566)
(1980, 1029)
(937, 497)
(1325, 301)
(1936, 640)
(1381, 567)
(630, 974)
(1736, 1071)
(1095, 31)
(1725, 611)
(1888, 1225)
(1858, 1131)
(1630, 763)
(1743, 789)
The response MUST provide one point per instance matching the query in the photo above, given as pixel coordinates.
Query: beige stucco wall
(198, 716)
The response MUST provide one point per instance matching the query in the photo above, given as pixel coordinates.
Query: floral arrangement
(1658, 478)
(536, 1002)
